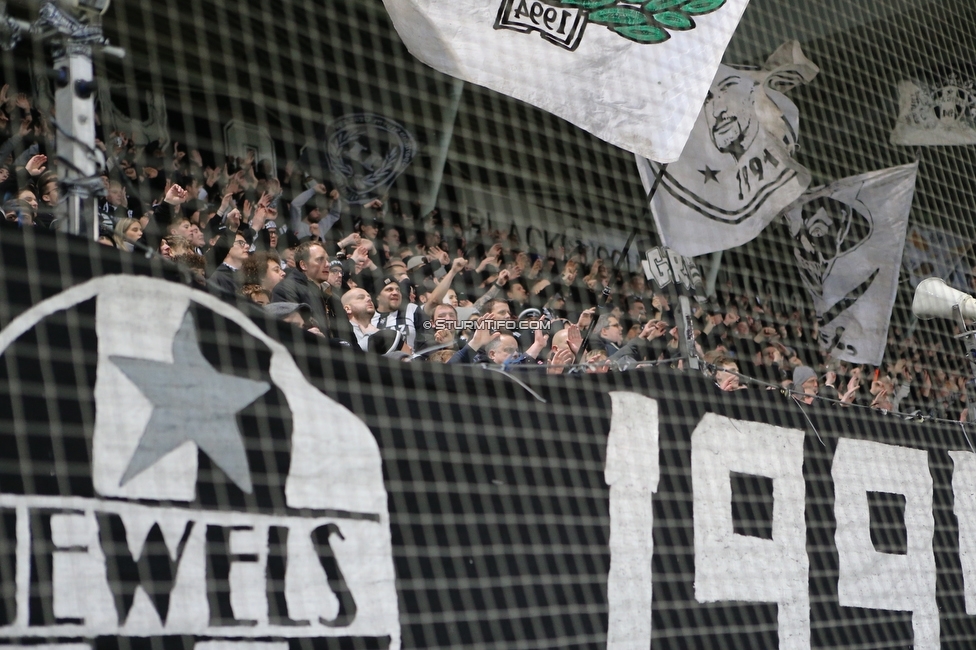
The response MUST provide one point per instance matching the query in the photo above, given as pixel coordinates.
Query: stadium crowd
(386, 279)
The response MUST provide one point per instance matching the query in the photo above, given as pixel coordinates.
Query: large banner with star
(180, 472)
(737, 172)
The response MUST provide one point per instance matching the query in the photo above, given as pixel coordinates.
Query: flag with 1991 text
(737, 171)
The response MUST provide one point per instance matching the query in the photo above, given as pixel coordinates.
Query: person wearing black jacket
(609, 335)
(223, 281)
(302, 284)
(646, 346)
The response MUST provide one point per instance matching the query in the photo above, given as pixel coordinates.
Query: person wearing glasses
(223, 280)
(610, 334)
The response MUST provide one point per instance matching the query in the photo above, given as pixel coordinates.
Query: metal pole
(74, 107)
(684, 321)
(713, 273)
(686, 329)
(440, 156)
(969, 336)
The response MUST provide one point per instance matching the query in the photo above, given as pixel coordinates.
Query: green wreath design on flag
(646, 22)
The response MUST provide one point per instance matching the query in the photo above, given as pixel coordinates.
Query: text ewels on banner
(849, 238)
(737, 171)
(319, 566)
(632, 74)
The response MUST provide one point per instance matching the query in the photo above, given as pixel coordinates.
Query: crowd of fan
(386, 279)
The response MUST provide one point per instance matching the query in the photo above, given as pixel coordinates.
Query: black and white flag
(936, 113)
(737, 171)
(848, 243)
(228, 535)
(631, 73)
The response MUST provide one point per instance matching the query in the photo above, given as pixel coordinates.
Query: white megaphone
(935, 299)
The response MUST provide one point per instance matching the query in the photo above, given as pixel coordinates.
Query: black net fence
(151, 492)
(383, 504)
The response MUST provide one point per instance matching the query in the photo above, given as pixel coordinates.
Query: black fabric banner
(147, 498)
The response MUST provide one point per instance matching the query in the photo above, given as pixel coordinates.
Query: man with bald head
(358, 306)
(502, 348)
(565, 343)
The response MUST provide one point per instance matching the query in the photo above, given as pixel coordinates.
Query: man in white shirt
(359, 308)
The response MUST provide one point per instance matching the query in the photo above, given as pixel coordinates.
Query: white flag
(631, 73)
(939, 113)
(737, 172)
(849, 238)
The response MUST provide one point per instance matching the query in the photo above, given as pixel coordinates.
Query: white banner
(631, 73)
(936, 113)
(737, 172)
(849, 238)
(663, 266)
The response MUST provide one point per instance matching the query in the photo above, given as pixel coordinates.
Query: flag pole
(449, 117)
(686, 332)
(658, 177)
(607, 290)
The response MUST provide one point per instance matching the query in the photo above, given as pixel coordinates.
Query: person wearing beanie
(336, 277)
(392, 313)
(296, 313)
(806, 387)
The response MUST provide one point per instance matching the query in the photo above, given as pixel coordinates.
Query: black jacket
(223, 281)
(296, 287)
(640, 349)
